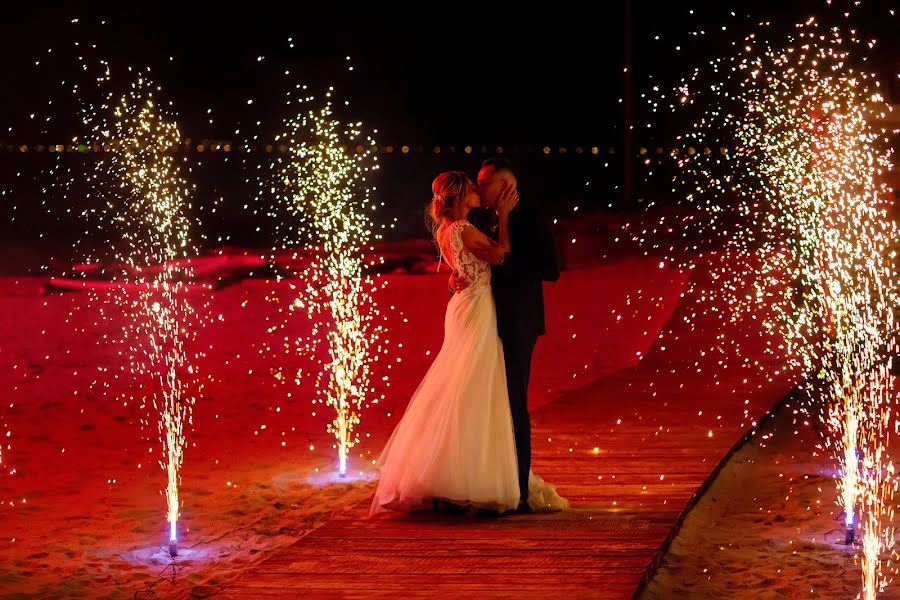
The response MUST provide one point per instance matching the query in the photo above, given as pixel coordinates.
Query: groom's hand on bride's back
(457, 283)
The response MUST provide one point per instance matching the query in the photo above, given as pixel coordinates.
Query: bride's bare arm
(482, 246)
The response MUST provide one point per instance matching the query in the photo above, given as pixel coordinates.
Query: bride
(455, 442)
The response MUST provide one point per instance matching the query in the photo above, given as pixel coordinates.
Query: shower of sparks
(321, 187)
(146, 231)
(798, 194)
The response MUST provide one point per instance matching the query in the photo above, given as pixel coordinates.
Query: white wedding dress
(455, 442)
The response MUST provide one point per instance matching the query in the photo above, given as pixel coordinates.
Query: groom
(518, 294)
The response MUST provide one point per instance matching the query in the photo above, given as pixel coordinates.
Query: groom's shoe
(523, 508)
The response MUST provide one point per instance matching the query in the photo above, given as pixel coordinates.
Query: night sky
(432, 74)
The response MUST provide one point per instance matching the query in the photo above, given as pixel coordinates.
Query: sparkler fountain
(147, 220)
(800, 192)
(322, 184)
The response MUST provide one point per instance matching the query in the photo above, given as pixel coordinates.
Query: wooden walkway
(658, 429)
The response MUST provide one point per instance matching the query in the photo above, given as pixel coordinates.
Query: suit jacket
(518, 283)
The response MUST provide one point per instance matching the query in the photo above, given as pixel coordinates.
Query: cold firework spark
(800, 194)
(146, 219)
(322, 186)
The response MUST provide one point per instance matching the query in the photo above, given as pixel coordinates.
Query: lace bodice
(472, 269)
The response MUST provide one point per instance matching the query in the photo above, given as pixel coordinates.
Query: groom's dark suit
(519, 297)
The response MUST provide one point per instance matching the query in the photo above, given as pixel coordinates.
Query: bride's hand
(507, 201)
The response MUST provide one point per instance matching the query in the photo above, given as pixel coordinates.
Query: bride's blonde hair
(447, 190)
